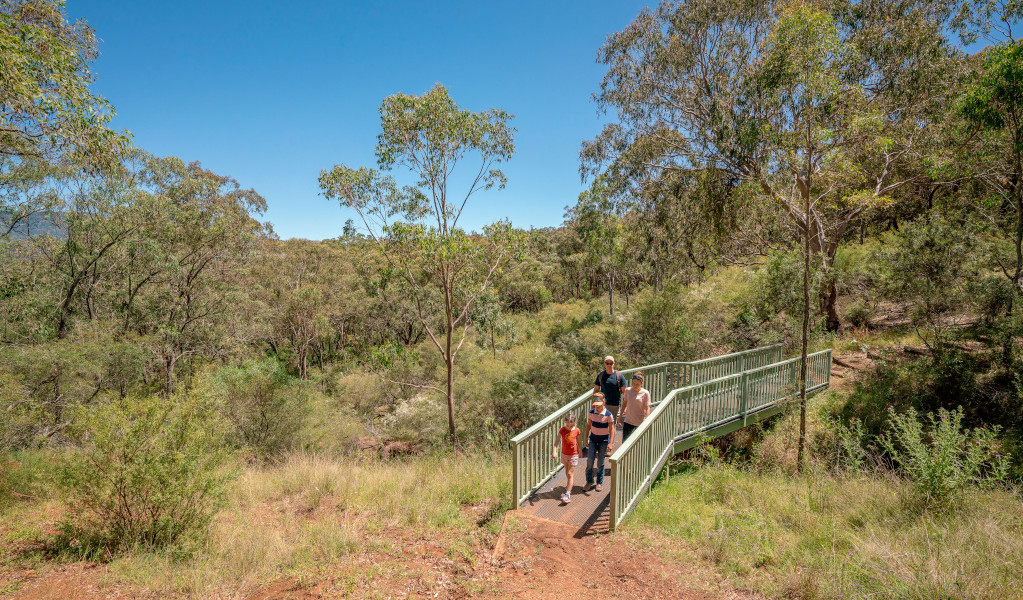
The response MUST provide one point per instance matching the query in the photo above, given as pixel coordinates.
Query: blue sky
(272, 92)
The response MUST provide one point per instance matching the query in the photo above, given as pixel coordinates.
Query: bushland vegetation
(171, 371)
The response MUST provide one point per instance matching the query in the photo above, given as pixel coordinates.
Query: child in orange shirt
(570, 446)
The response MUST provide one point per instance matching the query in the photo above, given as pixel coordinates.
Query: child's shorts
(570, 460)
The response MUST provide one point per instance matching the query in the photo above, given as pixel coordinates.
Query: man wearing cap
(600, 431)
(611, 383)
(636, 407)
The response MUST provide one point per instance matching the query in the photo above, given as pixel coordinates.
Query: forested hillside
(205, 409)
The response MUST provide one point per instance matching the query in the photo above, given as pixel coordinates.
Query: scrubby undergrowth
(821, 536)
(308, 517)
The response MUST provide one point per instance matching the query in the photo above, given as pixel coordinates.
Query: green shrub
(850, 450)
(993, 295)
(943, 459)
(267, 406)
(931, 263)
(859, 315)
(660, 328)
(25, 475)
(150, 471)
(777, 286)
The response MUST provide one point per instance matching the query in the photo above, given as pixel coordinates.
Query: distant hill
(35, 224)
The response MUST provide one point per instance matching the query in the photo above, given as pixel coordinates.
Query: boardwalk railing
(532, 463)
(730, 364)
(699, 408)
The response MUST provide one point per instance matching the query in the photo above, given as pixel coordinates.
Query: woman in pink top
(636, 406)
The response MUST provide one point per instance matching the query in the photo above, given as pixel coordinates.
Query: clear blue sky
(272, 92)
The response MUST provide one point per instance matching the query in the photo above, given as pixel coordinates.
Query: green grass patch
(817, 536)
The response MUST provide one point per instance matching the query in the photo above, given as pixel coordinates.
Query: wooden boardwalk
(723, 399)
(589, 511)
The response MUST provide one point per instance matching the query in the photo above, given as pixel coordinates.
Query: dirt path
(544, 559)
(533, 559)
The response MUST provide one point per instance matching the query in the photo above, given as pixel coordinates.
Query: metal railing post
(744, 396)
(516, 475)
(612, 520)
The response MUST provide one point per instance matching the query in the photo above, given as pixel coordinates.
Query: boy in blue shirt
(600, 433)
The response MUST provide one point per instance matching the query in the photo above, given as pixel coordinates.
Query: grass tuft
(816, 536)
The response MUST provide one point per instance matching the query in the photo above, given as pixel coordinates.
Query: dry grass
(312, 516)
(820, 537)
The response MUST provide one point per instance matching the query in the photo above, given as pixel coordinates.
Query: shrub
(267, 406)
(993, 295)
(859, 315)
(25, 475)
(149, 472)
(850, 447)
(930, 264)
(660, 328)
(775, 288)
(945, 459)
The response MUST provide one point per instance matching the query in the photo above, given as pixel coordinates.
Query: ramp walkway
(691, 401)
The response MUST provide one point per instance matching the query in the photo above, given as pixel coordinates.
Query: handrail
(532, 463)
(696, 408)
(729, 364)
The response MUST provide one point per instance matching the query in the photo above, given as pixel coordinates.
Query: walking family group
(615, 405)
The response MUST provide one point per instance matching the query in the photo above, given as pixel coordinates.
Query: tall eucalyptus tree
(417, 226)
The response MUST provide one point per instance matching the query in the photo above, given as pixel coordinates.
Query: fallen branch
(916, 351)
(842, 363)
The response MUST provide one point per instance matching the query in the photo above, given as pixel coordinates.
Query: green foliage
(776, 287)
(149, 472)
(931, 264)
(660, 327)
(267, 407)
(995, 100)
(26, 476)
(992, 296)
(820, 537)
(951, 379)
(942, 459)
(47, 107)
(851, 453)
(859, 315)
(539, 382)
(41, 385)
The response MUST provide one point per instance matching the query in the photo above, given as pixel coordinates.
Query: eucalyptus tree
(993, 106)
(599, 222)
(417, 225)
(195, 306)
(47, 110)
(702, 85)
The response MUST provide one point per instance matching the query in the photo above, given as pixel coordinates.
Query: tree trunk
(610, 296)
(806, 332)
(169, 362)
(1007, 343)
(449, 360)
(832, 322)
(1018, 193)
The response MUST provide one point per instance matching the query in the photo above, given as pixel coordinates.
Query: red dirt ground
(534, 558)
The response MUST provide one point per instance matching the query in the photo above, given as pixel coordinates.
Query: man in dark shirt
(611, 383)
